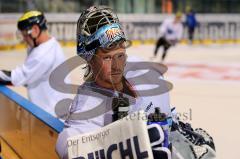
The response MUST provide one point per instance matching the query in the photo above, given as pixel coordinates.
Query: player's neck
(43, 37)
(118, 87)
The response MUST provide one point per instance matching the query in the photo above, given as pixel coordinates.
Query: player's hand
(5, 77)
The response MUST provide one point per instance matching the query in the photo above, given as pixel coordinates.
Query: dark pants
(166, 45)
(190, 34)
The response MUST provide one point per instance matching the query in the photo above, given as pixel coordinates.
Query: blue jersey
(191, 21)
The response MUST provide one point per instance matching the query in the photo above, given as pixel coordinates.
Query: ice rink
(206, 91)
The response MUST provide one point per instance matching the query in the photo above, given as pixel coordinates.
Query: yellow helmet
(179, 14)
(188, 9)
(30, 18)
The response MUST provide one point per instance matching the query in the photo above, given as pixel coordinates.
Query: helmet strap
(34, 42)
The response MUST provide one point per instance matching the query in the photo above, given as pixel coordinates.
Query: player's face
(178, 19)
(108, 65)
(28, 35)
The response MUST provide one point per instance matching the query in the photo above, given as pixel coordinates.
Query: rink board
(26, 130)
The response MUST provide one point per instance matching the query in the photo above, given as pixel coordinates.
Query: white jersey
(35, 72)
(171, 30)
(83, 103)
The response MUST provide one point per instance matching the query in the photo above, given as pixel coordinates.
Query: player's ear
(35, 31)
(91, 64)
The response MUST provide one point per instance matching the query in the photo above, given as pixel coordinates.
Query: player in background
(44, 54)
(171, 31)
(191, 23)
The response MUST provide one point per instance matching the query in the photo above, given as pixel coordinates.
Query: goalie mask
(97, 27)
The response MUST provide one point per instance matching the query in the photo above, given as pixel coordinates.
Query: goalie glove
(197, 137)
(182, 148)
(189, 143)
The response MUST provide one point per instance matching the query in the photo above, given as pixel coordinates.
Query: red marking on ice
(231, 78)
(204, 71)
(191, 74)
